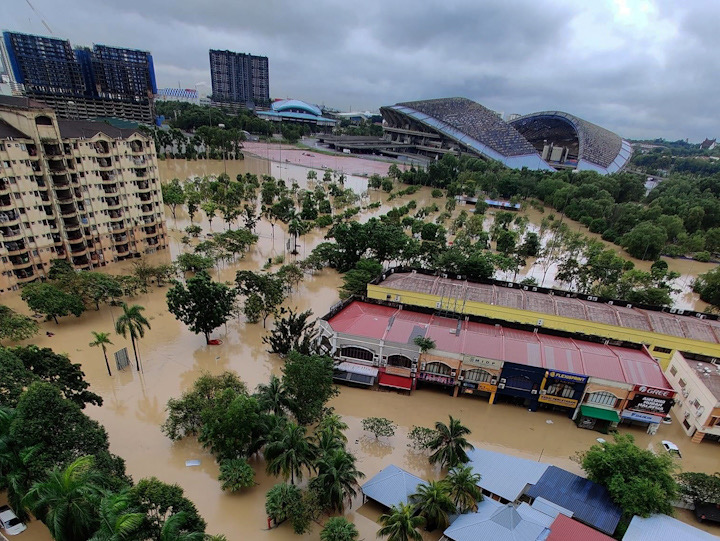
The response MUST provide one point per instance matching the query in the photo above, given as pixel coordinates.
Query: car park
(9, 521)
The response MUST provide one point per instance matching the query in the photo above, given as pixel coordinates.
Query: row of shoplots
(596, 384)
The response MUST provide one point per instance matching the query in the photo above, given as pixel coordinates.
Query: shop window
(399, 360)
(478, 375)
(519, 382)
(437, 368)
(673, 370)
(561, 389)
(603, 398)
(357, 353)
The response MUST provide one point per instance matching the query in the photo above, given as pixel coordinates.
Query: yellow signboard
(487, 387)
(558, 401)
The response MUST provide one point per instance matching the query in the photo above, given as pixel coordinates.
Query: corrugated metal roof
(550, 509)
(363, 319)
(497, 522)
(505, 475)
(589, 502)
(391, 486)
(567, 529)
(664, 528)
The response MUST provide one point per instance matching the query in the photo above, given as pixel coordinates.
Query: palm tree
(116, 520)
(334, 424)
(450, 444)
(102, 339)
(433, 503)
(401, 523)
(67, 500)
(132, 322)
(289, 452)
(339, 529)
(173, 530)
(273, 397)
(462, 485)
(337, 479)
(326, 441)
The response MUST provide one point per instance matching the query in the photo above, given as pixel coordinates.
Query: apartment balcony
(105, 163)
(147, 222)
(60, 251)
(139, 162)
(11, 233)
(32, 151)
(143, 187)
(110, 189)
(44, 197)
(152, 241)
(57, 168)
(52, 149)
(26, 275)
(64, 194)
(16, 248)
(145, 197)
(4, 188)
(52, 225)
(36, 167)
(120, 239)
(81, 261)
(151, 230)
(107, 177)
(113, 203)
(60, 181)
(141, 172)
(116, 216)
(71, 223)
(118, 228)
(78, 250)
(67, 149)
(122, 249)
(68, 211)
(9, 217)
(75, 235)
(6, 201)
(20, 261)
(146, 209)
(41, 183)
(136, 147)
(102, 147)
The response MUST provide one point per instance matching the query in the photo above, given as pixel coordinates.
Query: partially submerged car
(9, 521)
(671, 448)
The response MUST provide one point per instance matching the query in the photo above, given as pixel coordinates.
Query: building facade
(240, 78)
(697, 406)
(82, 83)
(77, 190)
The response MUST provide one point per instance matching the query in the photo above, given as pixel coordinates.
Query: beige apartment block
(697, 404)
(77, 190)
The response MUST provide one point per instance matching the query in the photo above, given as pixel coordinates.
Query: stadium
(426, 130)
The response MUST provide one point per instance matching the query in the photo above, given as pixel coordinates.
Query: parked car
(667, 420)
(671, 448)
(9, 521)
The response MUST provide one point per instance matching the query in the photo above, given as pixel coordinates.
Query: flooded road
(173, 358)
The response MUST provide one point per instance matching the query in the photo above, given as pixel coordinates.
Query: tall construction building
(239, 78)
(77, 190)
(82, 83)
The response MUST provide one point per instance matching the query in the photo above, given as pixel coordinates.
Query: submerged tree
(292, 331)
(102, 340)
(14, 326)
(449, 445)
(132, 322)
(433, 503)
(400, 523)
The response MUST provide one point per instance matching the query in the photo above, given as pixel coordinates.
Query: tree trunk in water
(207, 338)
(106, 362)
(137, 359)
(56, 321)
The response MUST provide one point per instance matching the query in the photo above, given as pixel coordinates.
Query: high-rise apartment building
(73, 189)
(82, 83)
(239, 78)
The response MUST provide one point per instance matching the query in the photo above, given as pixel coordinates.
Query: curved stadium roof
(599, 149)
(475, 127)
(285, 105)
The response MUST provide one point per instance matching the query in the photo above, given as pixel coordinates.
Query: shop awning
(350, 377)
(600, 413)
(396, 382)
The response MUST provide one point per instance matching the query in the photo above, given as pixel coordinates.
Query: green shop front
(595, 418)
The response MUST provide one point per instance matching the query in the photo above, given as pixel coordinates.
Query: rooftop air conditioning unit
(501, 386)
(461, 378)
(453, 373)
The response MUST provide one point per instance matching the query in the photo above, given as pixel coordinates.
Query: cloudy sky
(643, 68)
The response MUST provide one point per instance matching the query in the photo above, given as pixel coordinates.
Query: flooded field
(173, 358)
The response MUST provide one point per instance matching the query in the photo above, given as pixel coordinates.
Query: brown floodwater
(173, 357)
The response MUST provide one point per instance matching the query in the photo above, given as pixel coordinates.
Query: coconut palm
(117, 521)
(432, 502)
(337, 479)
(102, 339)
(449, 445)
(132, 322)
(462, 485)
(326, 441)
(67, 500)
(401, 523)
(173, 530)
(339, 529)
(273, 397)
(289, 452)
(334, 424)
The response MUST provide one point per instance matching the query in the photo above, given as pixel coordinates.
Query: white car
(9, 521)
(671, 448)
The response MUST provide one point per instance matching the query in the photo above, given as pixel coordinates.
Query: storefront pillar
(492, 397)
(456, 390)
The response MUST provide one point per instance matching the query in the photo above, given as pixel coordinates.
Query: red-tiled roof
(567, 529)
(403, 324)
(363, 319)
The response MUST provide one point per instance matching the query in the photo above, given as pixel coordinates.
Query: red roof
(484, 341)
(363, 319)
(567, 529)
(403, 325)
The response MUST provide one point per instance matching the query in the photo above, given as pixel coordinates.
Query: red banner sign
(653, 391)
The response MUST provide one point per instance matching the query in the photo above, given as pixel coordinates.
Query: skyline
(643, 69)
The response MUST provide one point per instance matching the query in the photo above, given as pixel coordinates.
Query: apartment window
(696, 403)
(603, 398)
(2, 147)
(682, 383)
(35, 252)
(673, 370)
(17, 195)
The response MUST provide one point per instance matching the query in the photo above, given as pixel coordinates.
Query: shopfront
(647, 406)
(520, 385)
(479, 377)
(597, 418)
(438, 372)
(562, 390)
(398, 378)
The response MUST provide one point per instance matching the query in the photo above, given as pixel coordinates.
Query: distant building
(697, 404)
(78, 190)
(82, 83)
(708, 144)
(298, 112)
(186, 95)
(239, 78)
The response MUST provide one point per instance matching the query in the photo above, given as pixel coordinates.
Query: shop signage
(566, 376)
(650, 404)
(654, 391)
(398, 371)
(637, 416)
(435, 378)
(558, 401)
(485, 363)
(487, 387)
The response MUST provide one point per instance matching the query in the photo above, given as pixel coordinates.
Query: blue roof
(296, 116)
(505, 475)
(284, 105)
(664, 528)
(589, 502)
(494, 521)
(391, 486)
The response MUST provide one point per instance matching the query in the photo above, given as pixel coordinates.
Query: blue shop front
(520, 385)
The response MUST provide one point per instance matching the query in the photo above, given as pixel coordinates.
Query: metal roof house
(664, 528)
(567, 529)
(391, 486)
(505, 476)
(494, 521)
(589, 502)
